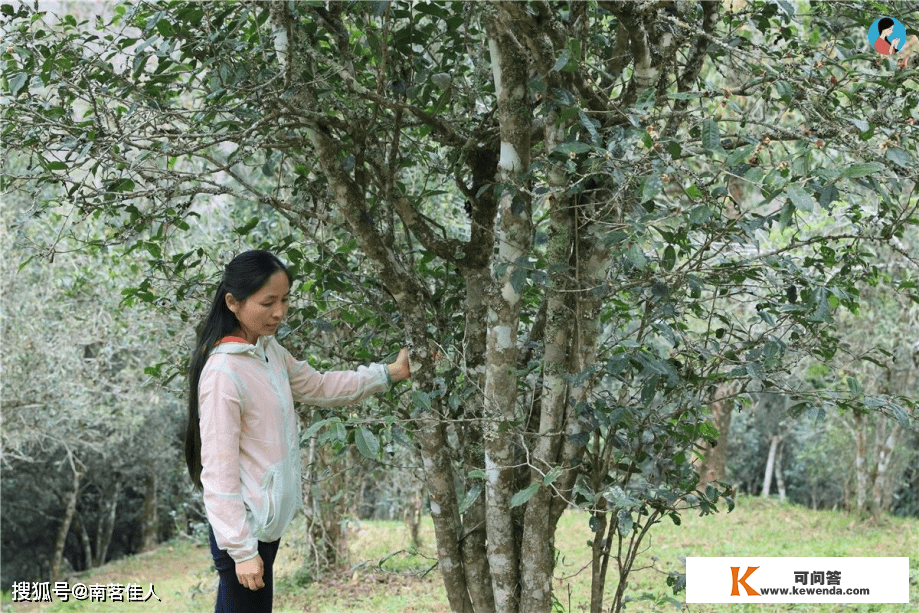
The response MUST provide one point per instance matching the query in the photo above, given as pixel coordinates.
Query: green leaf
(573, 147)
(523, 496)
(518, 278)
(649, 390)
(574, 44)
(674, 149)
(625, 522)
(860, 170)
(337, 432)
(562, 61)
(651, 187)
(645, 99)
(900, 157)
(800, 198)
(636, 257)
(138, 64)
(470, 497)
(669, 259)
(828, 195)
(552, 475)
(164, 28)
(711, 137)
(589, 126)
(367, 442)
(861, 124)
(245, 229)
(422, 399)
(854, 387)
(617, 364)
(708, 431)
(17, 81)
(786, 215)
(785, 90)
(316, 427)
(741, 154)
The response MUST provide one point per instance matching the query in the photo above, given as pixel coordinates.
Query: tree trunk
(770, 464)
(412, 517)
(70, 508)
(323, 507)
(514, 237)
(474, 537)
(779, 478)
(714, 466)
(106, 524)
(88, 557)
(150, 523)
(537, 561)
(410, 296)
(881, 490)
(441, 483)
(861, 462)
(600, 557)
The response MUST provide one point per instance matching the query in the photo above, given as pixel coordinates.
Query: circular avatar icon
(887, 35)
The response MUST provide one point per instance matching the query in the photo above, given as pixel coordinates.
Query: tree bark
(600, 549)
(412, 517)
(70, 508)
(770, 464)
(88, 557)
(861, 462)
(779, 477)
(326, 542)
(151, 520)
(881, 489)
(514, 237)
(106, 524)
(538, 560)
(474, 537)
(714, 466)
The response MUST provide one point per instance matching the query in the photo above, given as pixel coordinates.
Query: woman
(882, 43)
(242, 443)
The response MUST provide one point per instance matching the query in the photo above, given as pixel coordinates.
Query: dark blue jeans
(233, 597)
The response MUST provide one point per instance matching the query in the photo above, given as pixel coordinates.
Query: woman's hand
(249, 573)
(400, 369)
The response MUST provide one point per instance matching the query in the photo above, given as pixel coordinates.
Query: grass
(761, 528)
(388, 577)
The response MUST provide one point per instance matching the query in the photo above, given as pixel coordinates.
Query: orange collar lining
(234, 339)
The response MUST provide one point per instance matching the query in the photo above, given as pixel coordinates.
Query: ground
(383, 577)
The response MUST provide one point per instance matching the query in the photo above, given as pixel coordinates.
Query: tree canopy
(589, 221)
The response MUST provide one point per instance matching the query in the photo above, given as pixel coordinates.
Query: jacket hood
(258, 350)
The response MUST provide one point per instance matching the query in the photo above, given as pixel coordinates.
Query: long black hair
(246, 274)
(883, 24)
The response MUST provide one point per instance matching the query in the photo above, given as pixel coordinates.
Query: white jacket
(250, 447)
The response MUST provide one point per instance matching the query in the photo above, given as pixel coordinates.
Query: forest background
(647, 255)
